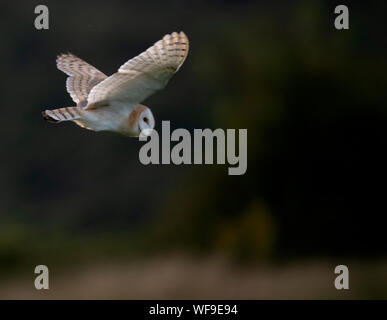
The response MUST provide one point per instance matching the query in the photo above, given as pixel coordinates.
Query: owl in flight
(113, 103)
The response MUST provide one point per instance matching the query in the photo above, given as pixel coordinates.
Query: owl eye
(146, 120)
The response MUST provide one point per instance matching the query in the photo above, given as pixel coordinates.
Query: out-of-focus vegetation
(312, 98)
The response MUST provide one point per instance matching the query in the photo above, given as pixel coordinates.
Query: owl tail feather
(62, 114)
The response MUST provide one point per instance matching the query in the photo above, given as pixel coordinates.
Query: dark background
(313, 99)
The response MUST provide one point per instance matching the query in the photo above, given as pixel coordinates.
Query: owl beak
(146, 132)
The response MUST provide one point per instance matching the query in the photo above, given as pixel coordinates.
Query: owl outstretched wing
(143, 75)
(82, 77)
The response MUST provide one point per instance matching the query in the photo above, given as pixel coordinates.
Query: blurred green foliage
(311, 97)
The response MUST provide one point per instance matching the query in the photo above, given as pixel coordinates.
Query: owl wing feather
(144, 74)
(82, 77)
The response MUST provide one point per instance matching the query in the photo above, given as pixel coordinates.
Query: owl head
(141, 120)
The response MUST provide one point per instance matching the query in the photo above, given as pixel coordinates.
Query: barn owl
(113, 103)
